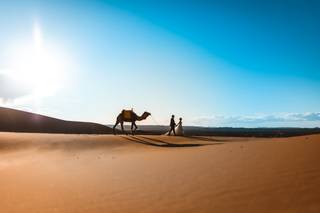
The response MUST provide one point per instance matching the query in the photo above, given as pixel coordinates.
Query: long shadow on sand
(209, 139)
(160, 143)
(201, 138)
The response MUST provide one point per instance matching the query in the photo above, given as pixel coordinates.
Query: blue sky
(215, 63)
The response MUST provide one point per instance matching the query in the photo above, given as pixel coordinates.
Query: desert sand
(106, 173)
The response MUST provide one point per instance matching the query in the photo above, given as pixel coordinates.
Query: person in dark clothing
(172, 125)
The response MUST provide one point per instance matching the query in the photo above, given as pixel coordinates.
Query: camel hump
(127, 114)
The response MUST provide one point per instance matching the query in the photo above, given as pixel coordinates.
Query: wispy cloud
(11, 89)
(308, 119)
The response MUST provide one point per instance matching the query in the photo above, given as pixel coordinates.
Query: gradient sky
(215, 63)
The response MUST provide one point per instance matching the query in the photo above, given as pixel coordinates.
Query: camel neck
(142, 117)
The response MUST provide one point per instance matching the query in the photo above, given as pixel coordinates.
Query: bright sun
(38, 66)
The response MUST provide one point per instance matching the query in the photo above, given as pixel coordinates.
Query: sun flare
(38, 66)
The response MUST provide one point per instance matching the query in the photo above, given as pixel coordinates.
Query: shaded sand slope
(72, 173)
(19, 121)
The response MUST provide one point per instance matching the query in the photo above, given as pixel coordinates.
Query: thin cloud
(284, 119)
(10, 89)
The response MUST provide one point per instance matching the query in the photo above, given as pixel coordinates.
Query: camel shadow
(161, 143)
(201, 138)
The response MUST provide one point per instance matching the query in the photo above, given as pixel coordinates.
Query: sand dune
(106, 173)
(13, 120)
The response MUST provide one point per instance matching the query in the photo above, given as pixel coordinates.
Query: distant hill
(12, 120)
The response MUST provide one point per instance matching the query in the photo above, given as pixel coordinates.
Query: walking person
(172, 126)
(179, 130)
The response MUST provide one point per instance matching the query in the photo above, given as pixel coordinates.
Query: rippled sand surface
(106, 173)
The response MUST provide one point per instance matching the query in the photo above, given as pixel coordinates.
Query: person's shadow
(161, 143)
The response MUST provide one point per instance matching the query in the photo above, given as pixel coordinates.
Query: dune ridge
(13, 120)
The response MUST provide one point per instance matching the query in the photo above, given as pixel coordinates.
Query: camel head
(147, 114)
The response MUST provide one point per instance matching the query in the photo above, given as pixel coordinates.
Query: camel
(129, 116)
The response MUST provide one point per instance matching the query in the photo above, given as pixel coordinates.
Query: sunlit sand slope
(82, 173)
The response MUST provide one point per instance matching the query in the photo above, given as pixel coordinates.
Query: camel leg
(122, 128)
(135, 125)
(132, 131)
(114, 127)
